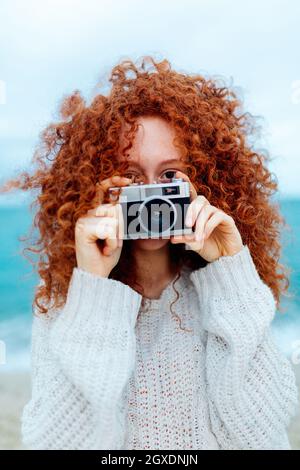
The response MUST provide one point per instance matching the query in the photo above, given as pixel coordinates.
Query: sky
(50, 48)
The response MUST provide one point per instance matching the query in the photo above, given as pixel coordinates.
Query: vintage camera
(153, 210)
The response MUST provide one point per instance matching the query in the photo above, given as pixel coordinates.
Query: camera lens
(157, 215)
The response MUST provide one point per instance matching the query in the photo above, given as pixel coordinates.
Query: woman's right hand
(103, 222)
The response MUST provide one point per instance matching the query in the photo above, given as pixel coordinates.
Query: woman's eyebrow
(171, 160)
(165, 162)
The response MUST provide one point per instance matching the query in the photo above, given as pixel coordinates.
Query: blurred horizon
(18, 281)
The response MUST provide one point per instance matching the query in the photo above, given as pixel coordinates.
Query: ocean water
(17, 284)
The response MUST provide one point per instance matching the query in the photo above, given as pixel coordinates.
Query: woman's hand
(103, 222)
(215, 232)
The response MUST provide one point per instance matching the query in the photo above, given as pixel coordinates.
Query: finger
(102, 186)
(106, 230)
(213, 222)
(103, 210)
(183, 238)
(114, 211)
(193, 210)
(193, 192)
(114, 180)
(205, 213)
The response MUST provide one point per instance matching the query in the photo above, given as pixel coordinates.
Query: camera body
(155, 210)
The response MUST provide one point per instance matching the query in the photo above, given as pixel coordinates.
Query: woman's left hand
(215, 232)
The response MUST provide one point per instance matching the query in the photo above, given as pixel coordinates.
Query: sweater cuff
(91, 295)
(227, 276)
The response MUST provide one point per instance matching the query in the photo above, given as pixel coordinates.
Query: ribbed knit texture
(106, 374)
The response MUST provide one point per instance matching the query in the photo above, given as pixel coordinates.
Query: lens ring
(144, 206)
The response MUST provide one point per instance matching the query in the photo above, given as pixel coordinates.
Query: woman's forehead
(160, 160)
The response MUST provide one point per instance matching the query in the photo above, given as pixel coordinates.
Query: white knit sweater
(105, 378)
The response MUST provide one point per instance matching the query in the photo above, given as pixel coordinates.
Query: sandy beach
(15, 392)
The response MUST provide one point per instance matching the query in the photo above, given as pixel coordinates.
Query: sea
(18, 282)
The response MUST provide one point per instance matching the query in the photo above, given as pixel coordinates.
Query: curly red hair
(81, 149)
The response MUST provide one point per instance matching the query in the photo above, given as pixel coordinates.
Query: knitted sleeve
(251, 386)
(81, 360)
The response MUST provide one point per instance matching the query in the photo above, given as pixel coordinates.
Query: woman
(157, 343)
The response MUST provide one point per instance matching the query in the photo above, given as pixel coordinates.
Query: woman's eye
(169, 174)
(133, 176)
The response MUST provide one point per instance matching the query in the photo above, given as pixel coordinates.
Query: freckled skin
(152, 146)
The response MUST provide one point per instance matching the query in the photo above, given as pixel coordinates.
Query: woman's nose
(150, 180)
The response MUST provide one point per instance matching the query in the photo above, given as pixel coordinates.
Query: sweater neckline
(166, 292)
